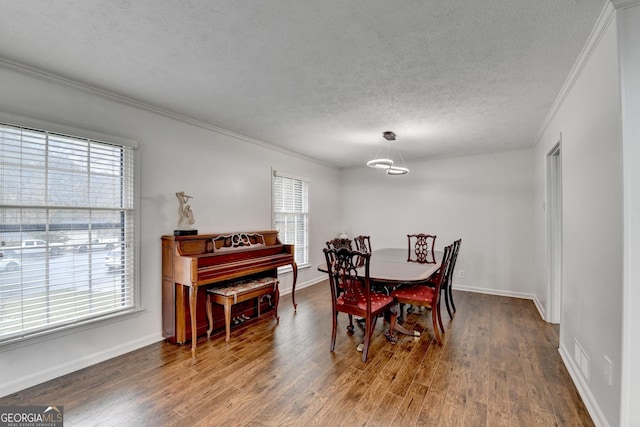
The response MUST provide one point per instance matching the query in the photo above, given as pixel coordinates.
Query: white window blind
(291, 213)
(66, 233)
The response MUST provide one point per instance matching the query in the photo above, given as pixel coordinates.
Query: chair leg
(434, 320)
(451, 299)
(350, 327)
(440, 318)
(369, 327)
(333, 331)
(401, 313)
(446, 300)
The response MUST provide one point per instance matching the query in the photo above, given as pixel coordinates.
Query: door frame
(554, 232)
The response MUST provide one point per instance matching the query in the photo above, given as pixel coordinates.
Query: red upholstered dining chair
(426, 296)
(351, 293)
(421, 248)
(338, 243)
(446, 284)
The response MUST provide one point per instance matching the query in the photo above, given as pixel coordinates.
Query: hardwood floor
(499, 366)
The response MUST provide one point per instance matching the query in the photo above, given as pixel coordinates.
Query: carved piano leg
(293, 289)
(193, 303)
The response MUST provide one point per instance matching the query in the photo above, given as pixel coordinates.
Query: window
(67, 227)
(291, 213)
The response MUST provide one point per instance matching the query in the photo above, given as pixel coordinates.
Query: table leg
(401, 329)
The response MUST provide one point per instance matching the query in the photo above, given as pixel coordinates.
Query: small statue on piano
(185, 216)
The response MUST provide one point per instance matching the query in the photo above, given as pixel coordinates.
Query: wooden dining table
(389, 267)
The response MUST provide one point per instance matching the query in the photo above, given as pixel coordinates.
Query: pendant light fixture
(386, 163)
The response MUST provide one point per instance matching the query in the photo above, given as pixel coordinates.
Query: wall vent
(582, 360)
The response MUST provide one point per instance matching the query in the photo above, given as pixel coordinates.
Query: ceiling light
(380, 163)
(387, 161)
(397, 170)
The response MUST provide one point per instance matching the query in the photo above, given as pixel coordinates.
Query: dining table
(391, 267)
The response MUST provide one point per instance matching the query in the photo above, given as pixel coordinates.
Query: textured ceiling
(320, 78)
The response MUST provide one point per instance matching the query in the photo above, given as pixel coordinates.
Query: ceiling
(320, 78)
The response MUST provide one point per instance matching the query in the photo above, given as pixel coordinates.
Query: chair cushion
(378, 301)
(415, 293)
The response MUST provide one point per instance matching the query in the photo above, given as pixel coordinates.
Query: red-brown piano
(189, 262)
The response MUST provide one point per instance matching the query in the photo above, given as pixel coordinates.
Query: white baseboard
(503, 293)
(583, 388)
(52, 372)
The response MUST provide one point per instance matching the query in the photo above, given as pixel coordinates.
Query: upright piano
(191, 262)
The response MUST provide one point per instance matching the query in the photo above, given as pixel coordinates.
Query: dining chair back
(421, 294)
(338, 243)
(421, 248)
(351, 293)
(448, 295)
(363, 243)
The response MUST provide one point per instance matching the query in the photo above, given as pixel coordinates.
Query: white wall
(589, 119)
(487, 201)
(228, 177)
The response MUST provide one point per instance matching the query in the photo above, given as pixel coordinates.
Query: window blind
(291, 213)
(67, 230)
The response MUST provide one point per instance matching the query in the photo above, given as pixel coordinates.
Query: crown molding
(46, 76)
(621, 4)
(604, 20)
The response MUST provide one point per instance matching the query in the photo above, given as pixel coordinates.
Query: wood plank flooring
(499, 366)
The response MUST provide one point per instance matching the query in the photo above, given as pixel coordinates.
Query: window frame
(274, 174)
(79, 325)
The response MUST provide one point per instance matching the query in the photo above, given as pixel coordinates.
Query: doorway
(554, 233)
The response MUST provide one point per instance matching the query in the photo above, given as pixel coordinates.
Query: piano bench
(237, 292)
